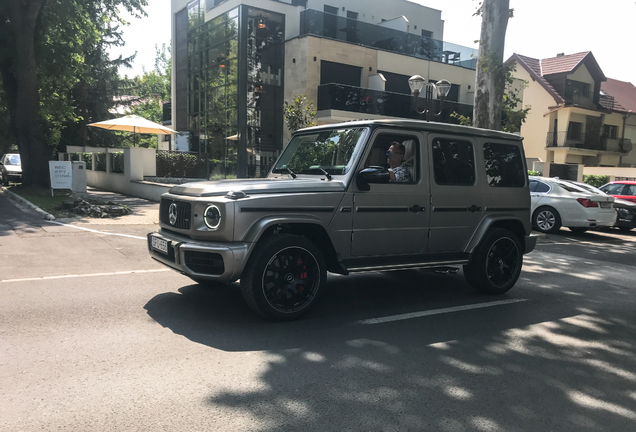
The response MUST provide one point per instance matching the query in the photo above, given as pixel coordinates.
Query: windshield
(11, 159)
(328, 151)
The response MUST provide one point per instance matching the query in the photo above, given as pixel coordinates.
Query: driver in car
(395, 158)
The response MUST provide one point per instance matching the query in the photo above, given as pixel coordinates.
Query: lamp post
(417, 83)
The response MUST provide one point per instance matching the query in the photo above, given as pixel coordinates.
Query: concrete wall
(138, 162)
(614, 173)
(539, 121)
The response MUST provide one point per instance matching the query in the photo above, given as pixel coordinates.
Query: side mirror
(374, 174)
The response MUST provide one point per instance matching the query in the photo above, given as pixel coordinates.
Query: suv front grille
(182, 211)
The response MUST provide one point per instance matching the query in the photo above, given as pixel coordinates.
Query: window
(504, 166)
(410, 146)
(339, 73)
(576, 88)
(427, 33)
(330, 22)
(630, 190)
(453, 162)
(537, 186)
(610, 131)
(574, 131)
(613, 189)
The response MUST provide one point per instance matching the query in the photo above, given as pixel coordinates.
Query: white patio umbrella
(134, 124)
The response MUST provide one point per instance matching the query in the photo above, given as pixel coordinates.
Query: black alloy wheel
(496, 264)
(284, 277)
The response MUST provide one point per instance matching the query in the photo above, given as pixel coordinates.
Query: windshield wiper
(291, 173)
(324, 171)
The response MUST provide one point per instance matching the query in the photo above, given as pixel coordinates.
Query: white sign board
(61, 174)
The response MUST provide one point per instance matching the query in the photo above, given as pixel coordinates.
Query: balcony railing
(376, 36)
(580, 100)
(359, 100)
(588, 142)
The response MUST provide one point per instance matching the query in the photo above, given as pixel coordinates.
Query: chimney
(560, 54)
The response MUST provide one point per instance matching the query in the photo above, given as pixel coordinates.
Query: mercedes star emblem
(172, 213)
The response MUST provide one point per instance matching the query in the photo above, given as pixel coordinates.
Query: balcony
(327, 25)
(360, 100)
(580, 101)
(588, 142)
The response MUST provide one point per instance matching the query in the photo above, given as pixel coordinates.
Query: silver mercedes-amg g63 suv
(351, 197)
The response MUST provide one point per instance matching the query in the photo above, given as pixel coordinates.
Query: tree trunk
(491, 76)
(34, 152)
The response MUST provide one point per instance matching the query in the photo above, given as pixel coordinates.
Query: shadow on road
(559, 362)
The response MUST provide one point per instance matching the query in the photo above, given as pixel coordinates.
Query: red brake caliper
(303, 274)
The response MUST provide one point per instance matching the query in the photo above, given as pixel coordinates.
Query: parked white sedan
(557, 203)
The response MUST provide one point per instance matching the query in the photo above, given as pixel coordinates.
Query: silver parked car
(352, 197)
(10, 168)
(579, 207)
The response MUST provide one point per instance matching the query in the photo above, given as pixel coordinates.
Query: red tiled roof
(624, 94)
(562, 64)
(533, 66)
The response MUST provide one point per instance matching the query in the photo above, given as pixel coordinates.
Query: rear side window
(631, 190)
(504, 166)
(537, 186)
(453, 162)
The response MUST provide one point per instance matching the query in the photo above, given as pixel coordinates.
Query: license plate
(159, 244)
(606, 205)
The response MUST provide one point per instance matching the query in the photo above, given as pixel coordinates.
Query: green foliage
(180, 165)
(41, 197)
(533, 173)
(299, 114)
(596, 180)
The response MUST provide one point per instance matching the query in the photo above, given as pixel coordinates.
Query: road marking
(437, 312)
(83, 275)
(98, 232)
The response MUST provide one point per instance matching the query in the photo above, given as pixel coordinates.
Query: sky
(539, 29)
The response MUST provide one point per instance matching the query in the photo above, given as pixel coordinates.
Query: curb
(17, 198)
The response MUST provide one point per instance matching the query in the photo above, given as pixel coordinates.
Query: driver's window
(398, 154)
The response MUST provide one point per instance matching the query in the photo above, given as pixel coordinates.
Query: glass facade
(235, 89)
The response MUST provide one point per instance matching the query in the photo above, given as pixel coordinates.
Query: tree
(299, 114)
(491, 74)
(29, 30)
(513, 114)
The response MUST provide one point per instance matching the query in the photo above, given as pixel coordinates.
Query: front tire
(496, 263)
(546, 220)
(284, 277)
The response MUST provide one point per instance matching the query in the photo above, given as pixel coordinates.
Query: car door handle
(473, 208)
(417, 209)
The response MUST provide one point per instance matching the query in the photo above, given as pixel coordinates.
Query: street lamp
(417, 83)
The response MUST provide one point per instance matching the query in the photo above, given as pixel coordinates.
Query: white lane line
(83, 275)
(97, 232)
(436, 312)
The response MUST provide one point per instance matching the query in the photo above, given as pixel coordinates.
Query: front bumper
(222, 261)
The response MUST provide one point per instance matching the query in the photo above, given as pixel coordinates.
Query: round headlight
(212, 217)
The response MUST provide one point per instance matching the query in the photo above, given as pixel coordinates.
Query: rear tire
(546, 220)
(496, 264)
(284, 277)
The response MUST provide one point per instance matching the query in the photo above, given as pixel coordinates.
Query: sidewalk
(143, 211)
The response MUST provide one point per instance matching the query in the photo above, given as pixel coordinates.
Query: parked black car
(626, 214)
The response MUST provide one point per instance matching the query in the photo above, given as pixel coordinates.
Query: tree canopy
(55, 73)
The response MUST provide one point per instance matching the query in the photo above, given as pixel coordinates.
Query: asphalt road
(95, 336)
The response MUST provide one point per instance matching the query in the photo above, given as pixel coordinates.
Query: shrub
(596, 180)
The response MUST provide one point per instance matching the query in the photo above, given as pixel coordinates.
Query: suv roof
(422, 125)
